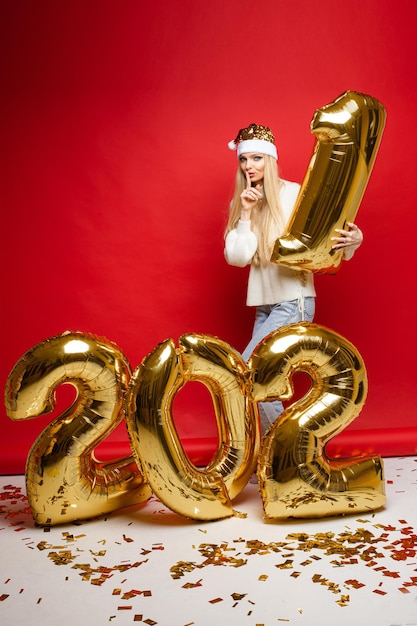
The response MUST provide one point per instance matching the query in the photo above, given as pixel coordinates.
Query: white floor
(150, 566)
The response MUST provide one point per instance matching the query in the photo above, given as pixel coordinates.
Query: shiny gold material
(63, 479)
(255, 131)
(203, 494)
(348, 131)
(296, 478)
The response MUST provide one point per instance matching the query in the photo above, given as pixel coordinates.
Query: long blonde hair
(267, 219)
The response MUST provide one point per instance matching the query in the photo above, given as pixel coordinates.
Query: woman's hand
(348, 239)
(249, 197)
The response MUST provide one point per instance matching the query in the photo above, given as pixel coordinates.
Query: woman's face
(252, 164)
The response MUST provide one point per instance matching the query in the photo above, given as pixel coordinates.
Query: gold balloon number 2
(65, 482)
(296, 477)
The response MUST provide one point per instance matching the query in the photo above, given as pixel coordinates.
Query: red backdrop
(116, 177)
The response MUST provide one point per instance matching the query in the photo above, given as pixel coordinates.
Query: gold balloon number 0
(65, 482)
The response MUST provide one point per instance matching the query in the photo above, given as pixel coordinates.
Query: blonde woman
(261, 206)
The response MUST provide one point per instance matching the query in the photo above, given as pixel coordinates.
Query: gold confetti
(63, 557)
(354, 583)
(374, 547)
(239, 596)
(192, 585)
(391, 574)
(128, 595)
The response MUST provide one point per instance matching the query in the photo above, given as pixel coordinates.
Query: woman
(261, 206)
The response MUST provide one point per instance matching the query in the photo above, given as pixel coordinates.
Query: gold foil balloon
(201, 494)
(64, 481)
(348, 132)
(296, 478)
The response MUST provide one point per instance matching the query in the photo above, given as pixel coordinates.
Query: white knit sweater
(271, 283)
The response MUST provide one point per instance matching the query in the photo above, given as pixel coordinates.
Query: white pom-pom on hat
(232, 145)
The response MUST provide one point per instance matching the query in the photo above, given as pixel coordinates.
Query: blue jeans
(267, 319)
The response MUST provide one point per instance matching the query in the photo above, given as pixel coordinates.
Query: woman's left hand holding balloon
(348, 240)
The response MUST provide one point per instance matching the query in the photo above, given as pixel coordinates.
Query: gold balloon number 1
(348, 134)
(65, 481)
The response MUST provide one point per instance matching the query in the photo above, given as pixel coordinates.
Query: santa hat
(254, 138)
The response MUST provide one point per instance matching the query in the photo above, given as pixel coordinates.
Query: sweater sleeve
(240, 245)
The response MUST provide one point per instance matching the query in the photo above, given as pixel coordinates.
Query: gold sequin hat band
(254, 138)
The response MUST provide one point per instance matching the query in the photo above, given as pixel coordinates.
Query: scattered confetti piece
(192, 585)
(354, 583)
(238, 596)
